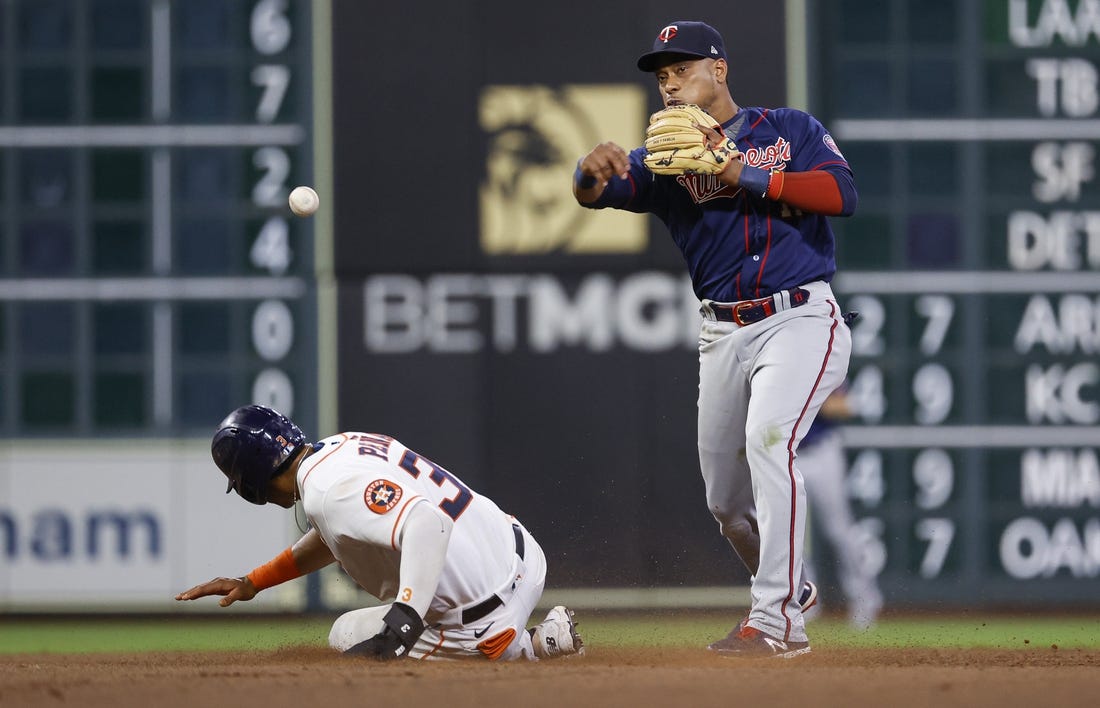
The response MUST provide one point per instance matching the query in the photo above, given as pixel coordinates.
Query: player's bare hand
(606, 160)
(232, 589)
(716, 140)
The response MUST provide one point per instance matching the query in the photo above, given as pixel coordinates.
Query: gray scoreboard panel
(974, 259)
(151, 275)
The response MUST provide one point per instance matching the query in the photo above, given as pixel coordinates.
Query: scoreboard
(973, 129)
(151, 275)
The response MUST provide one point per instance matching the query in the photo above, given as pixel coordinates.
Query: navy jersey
(737, 245)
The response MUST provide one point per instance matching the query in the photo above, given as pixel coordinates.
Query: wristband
(582, 180)
(405, 622)
(279, 570)
(401, 627)
(755, 180)
(775, 185)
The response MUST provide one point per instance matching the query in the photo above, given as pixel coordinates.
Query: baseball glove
(685, 139)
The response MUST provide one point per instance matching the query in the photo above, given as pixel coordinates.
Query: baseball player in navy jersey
(459, 576)
(745, 194)
(822, 461)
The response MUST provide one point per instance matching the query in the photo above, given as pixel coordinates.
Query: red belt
(747, 312)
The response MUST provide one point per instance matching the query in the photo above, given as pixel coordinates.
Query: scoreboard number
(973, 260)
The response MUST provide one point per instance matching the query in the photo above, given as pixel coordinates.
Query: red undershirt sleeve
(816, 192)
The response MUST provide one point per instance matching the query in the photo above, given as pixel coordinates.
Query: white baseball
(304, 201)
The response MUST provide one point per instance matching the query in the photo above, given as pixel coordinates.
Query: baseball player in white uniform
(460, 576)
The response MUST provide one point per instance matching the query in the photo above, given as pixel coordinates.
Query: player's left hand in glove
(685, 139)
(402, 627)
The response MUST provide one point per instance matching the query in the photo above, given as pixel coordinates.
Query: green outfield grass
(972, 630)
(101, 634)
(84, 635)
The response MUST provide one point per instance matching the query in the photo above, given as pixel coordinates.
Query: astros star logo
(381, 495)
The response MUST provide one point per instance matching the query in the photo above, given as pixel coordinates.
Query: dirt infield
(309, 676)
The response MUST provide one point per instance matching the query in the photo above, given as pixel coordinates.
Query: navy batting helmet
(251, 447)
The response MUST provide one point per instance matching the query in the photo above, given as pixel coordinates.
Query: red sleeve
(816, 192)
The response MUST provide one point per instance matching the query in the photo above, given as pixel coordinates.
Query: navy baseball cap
(685, 38)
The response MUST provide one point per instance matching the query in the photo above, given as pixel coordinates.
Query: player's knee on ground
(354, 627)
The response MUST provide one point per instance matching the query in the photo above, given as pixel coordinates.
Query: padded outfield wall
(452, 294)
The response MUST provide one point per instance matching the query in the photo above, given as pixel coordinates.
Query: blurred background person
(822, 461)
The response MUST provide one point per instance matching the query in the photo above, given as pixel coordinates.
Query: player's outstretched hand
(233, 589)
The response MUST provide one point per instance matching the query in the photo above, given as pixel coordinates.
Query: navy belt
(473, 614)
(747, 312)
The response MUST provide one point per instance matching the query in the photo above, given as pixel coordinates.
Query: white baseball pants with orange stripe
(760, 387)
(500, 635)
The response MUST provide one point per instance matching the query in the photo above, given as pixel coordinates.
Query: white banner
(121, 526)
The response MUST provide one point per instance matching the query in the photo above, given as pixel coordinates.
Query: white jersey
(357, 490)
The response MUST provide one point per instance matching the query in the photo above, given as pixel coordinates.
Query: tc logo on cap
(667, 33)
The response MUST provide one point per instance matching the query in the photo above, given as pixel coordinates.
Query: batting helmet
(251, 447)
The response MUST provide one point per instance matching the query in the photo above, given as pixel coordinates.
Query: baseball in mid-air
(304, 201)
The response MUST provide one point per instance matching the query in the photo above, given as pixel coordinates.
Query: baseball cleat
(750, 642)
(806, 599)
(556, 636)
